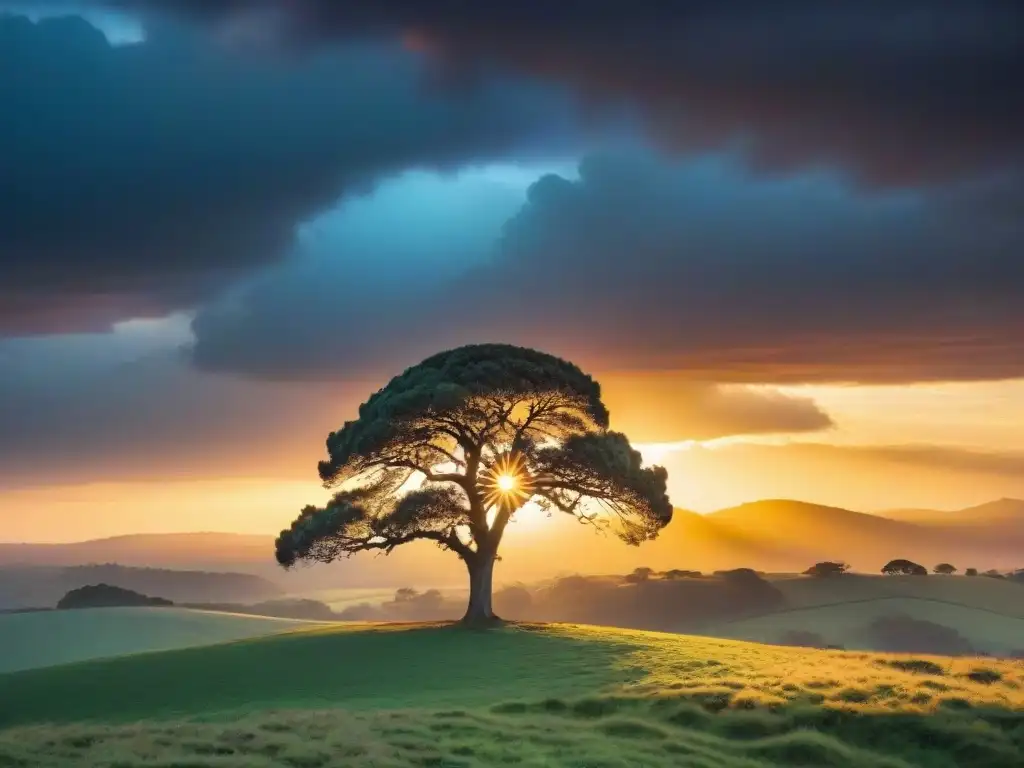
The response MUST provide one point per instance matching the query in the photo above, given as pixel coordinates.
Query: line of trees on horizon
(903, 567)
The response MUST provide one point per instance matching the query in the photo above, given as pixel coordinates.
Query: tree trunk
(481, 575)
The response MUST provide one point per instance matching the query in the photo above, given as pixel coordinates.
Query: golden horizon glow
(252, 490)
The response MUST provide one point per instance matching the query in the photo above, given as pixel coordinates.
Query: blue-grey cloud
(139, 179)
(643, 263)
(127, 404)
(896, 93)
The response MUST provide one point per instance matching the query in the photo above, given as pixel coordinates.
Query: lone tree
(904, 568)
(450, 449)
(827, 569)
(946, 569)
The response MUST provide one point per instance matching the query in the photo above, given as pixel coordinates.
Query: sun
(508, 482)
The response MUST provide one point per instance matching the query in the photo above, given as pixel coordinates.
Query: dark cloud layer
(904, 92)
(127, 407)
(701, 267)
(144, 178)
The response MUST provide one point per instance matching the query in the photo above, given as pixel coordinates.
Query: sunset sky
(788, 241)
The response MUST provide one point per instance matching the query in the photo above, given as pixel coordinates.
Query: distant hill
(770, 535)
(913, 515)
(784, 520)
(167, 550)
(997, 526)
(987, 613)
(43, 586)
(866, 541)
(1003, 514)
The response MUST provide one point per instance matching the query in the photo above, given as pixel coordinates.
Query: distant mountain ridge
(771, 534)
(1001, 512)
(146, 549)
(991, 534)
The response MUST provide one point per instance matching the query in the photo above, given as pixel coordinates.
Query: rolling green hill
(846, 624)
(45, 638)
(529, 695)
(989, 613)
(995, 595)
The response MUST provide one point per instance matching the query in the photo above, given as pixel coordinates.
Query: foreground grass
(29, 640)
(531, 696)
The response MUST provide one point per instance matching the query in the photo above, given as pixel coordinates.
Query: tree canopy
(901, 567)
(827, 569)
(450, 449)
(945, 569)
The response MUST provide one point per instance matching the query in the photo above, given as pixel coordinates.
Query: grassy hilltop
(45, 638)
(530, 695)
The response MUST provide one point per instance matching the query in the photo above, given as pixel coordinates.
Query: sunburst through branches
(508, 483)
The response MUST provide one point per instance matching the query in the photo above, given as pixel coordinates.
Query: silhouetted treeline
(640, 600)
(108, 596)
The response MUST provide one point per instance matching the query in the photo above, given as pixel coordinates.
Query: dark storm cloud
(698, 266)
(143, 178)
(905, 92)
(126, 406)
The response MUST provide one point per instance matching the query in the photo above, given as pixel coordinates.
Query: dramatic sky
(787, 237)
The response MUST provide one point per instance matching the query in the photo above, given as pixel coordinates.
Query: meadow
(981, 593)
(528, 695)
(987, 612)
(846, 624)
(58, 637)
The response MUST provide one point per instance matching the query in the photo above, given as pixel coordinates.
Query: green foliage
(456, 421)
(108, 596)
(451, 385)
(827, 569)
(904, 568)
